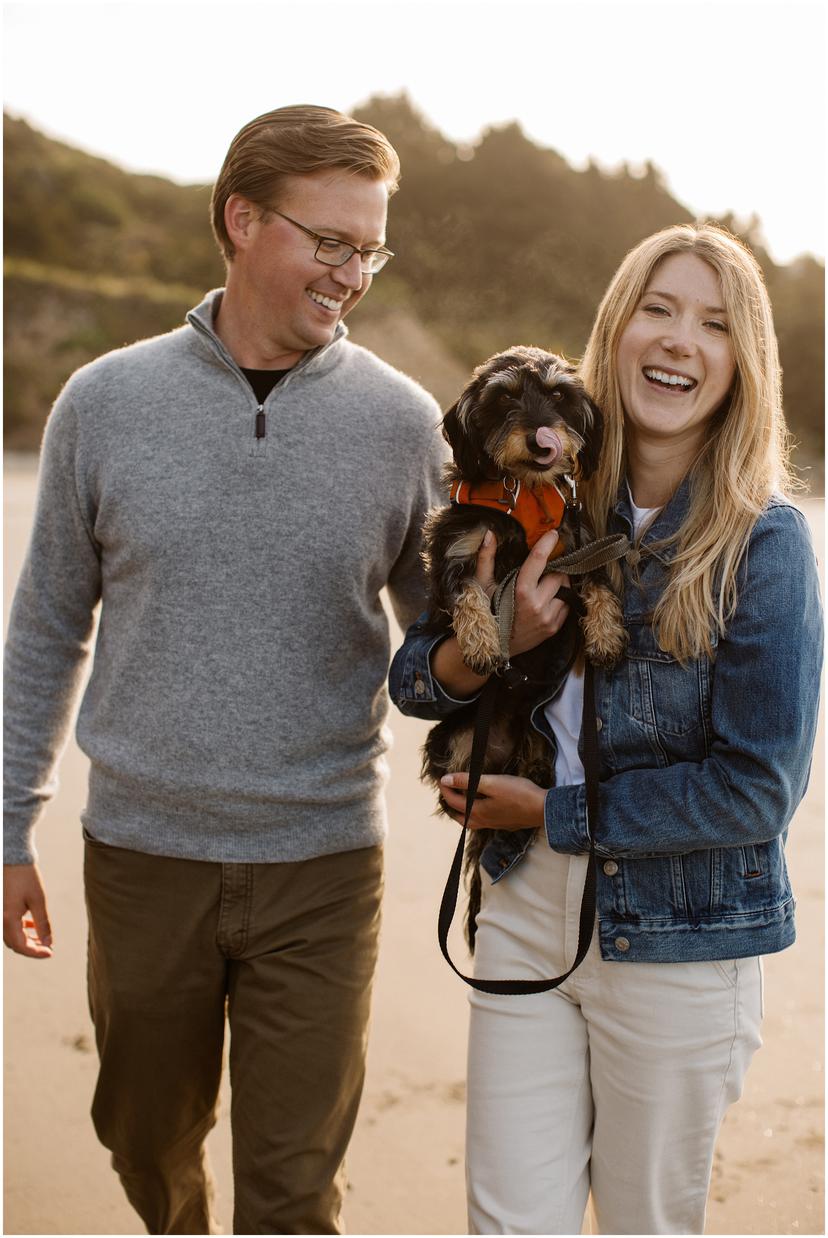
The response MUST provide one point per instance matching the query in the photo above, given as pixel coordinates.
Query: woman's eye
(655, 309)
(718, 326)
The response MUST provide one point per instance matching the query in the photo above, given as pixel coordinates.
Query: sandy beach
(406, 1161)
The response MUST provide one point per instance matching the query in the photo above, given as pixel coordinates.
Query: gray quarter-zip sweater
(236, 705)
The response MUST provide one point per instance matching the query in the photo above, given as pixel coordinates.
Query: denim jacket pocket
(668, 701)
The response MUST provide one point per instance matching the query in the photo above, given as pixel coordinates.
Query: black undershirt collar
(263, 381)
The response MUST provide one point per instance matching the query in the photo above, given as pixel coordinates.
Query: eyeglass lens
(337, 253)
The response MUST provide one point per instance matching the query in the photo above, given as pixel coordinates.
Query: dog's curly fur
(492, 430)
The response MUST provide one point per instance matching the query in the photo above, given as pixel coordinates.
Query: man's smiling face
(296, 299)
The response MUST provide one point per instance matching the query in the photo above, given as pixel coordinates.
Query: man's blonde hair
(296, 141)
(745, 455)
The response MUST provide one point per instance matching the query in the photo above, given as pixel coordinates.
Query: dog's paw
(476, 629)
(605, 637)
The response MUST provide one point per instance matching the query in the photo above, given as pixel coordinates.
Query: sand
(406, 1161)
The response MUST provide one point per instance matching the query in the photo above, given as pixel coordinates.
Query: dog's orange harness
(537, 514)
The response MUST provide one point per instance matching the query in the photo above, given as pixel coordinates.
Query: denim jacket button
(598, 724)
(611, 868)
(419, 686)
(622, 944)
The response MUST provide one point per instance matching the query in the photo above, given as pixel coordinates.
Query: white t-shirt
(564, 712)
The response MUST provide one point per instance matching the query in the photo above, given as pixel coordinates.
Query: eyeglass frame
(335, 240)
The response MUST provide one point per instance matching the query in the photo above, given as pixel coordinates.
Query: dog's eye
(557, 395)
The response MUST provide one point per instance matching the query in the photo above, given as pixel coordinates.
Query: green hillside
(500, 243)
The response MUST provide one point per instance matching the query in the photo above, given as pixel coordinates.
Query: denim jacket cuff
(565, 819)
(418, 686)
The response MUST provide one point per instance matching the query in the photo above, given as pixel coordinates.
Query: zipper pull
(260, 422)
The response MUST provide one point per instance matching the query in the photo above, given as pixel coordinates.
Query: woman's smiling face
(675, 359)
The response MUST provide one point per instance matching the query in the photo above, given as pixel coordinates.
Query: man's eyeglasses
(335, 253)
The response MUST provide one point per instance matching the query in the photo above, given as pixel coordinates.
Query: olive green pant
(288, 951)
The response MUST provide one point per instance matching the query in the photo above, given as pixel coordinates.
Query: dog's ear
(593, 423)
(467, 458)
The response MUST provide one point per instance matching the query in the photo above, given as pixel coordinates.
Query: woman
(617, 1081)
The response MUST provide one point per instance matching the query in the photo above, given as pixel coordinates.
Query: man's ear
(240, 216)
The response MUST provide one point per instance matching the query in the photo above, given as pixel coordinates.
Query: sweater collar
(202, 319)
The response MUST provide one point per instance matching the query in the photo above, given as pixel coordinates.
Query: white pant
(615, 1082)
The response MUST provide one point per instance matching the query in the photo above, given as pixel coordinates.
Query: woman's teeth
(670, 380)
(328, 302)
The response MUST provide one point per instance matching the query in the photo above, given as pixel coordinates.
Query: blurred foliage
(497, 243)
(67, 209)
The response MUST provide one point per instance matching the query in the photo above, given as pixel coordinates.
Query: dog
(523, 433)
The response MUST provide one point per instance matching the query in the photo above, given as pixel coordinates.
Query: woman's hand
(539, 614)
(503, 802)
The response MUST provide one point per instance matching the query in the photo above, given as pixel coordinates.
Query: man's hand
(539, 614)
(26, 928)
(503, 802)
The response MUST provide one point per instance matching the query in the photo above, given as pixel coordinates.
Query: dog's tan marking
(508, 379)
(534, 759)
(465, 406)
(512, 456)
(459, 755)
(589, 417)
(605, 636)
(467, 544)
(476, 629)
(499, 749)
(553, 374)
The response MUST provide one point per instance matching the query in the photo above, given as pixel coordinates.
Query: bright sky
(726, 97)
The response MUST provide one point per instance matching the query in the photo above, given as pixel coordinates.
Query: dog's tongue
(548, 439)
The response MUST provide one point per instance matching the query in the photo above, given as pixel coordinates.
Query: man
(236, 493)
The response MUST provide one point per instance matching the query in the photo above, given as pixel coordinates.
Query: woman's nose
(678, 340)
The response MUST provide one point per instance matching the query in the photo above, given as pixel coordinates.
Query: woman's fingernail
(487, 540)
(447, 780)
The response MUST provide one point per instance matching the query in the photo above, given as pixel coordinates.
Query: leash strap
(586, 921)
(594, 555)
(584, 559)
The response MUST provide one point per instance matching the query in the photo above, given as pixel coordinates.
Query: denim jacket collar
(668, 521)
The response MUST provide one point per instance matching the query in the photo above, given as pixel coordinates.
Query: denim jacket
(702, 765)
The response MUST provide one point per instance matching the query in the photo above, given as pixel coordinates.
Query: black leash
(578, 562)
(586, 923)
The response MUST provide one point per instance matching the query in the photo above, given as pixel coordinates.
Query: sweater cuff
(18, 845)
(565, 818)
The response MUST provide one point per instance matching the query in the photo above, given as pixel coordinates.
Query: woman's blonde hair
(745, 455)
(297, 141)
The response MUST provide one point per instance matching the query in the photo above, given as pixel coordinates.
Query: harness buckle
(573, 503)
(511, 490)
(511, 676)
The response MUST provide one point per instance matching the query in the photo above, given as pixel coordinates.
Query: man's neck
(238, 327)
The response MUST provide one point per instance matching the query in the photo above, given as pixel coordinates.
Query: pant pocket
(728, 970)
